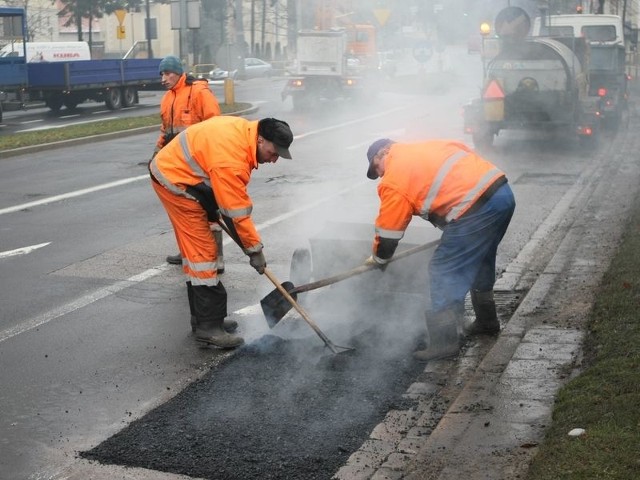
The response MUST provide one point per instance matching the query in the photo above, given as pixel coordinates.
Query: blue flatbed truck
(115, 82)
(13, 70)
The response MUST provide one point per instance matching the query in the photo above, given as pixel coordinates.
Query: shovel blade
(275, 306)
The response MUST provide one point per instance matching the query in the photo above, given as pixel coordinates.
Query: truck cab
(605, 36)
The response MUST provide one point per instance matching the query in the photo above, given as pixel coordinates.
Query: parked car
(255, 68)
(220, 74)
(202, 70)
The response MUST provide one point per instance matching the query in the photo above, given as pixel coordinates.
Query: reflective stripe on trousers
(193, 235)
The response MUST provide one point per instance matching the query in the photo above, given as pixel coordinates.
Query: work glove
(372, 261)
(257, 261)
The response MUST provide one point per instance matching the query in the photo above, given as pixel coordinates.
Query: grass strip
(27, 139)
(605, 398)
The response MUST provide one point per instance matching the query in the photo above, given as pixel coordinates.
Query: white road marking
(77, 193)
(99, 294)
(23, 250)
(393, 134)
(32, 121)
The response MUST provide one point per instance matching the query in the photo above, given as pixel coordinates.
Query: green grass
(26, 139)
(605, 398)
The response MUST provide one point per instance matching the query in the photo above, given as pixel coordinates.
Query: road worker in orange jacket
(469, 199)
(202, 177)
(188, 101)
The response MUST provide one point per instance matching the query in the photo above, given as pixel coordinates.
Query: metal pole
(183, 26)
(148, 29)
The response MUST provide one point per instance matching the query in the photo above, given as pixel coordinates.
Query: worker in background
(469, 199)
(188, 101)
(202, 177)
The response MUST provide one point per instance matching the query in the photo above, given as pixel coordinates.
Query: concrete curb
(97, 138)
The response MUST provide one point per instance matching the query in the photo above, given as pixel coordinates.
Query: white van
(597, 29)
(48, 51)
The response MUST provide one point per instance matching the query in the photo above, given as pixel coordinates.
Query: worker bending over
(469, 199)
(202, 177)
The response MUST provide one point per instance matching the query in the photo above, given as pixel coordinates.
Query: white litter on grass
(576, 432)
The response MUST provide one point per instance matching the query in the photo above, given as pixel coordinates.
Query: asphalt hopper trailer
(535, 84)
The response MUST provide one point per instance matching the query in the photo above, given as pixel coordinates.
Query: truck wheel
(113, 100)
(54, 103)
(129, 96)
(70, 103)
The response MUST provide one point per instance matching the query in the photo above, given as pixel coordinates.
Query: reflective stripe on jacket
(437, 180)
(190, 101)
(220, 152)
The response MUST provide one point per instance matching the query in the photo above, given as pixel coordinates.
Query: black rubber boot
(443, 338)
(175, 259)
(217, 236)
(486, 322)
(229, 325)
(211, 331)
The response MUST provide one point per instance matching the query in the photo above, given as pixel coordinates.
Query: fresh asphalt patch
(279, 408)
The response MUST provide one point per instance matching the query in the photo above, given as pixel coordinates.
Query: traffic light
(120, 33)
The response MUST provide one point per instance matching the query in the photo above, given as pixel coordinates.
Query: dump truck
(330, 64)
(534, 84)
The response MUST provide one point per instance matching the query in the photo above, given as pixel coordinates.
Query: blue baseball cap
(374, 148)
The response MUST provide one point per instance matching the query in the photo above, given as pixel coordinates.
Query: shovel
(332, 346)
(276, 305)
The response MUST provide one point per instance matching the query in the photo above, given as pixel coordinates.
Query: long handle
(358, 270)
(300, 310)
(289, 298)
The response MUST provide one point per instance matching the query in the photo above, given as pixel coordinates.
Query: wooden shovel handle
(358, 270)
(300, 310)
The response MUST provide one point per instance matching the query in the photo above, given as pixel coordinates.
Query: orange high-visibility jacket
(220, 152)
(189, 102)
(438, 180)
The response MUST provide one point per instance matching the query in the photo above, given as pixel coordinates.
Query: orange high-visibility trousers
(193, 235)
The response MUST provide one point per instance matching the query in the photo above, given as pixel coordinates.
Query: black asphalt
(277, 409)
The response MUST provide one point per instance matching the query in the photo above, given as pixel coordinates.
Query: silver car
(255, 68)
